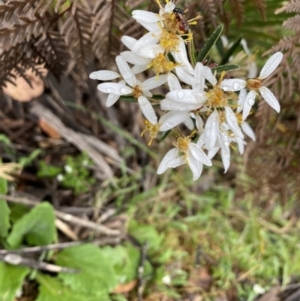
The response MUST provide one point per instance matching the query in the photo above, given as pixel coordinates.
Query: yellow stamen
(152, 129)
(162, 65)
(137, 92)
(254, 83)
(169, 41)
(216, 97)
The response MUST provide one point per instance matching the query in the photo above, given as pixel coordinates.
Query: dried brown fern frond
(65, 37)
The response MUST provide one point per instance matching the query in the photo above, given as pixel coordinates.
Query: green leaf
(4, 210)
(96, 274)
(226, 68)
(146, 234)
(210, 42)
(36, 227)
(24, 161)
(11, 280)
(52, 289)
(46, 170)
(230, 51)
(4, 139)
(124, 260)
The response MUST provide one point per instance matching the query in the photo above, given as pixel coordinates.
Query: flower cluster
(214, 108)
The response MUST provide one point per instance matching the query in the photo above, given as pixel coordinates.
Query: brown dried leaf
(20, 89)
(49, 129)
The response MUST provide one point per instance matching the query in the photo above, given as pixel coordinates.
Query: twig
(73, 137)
(17, 260)
(65, 216)
(63, 245)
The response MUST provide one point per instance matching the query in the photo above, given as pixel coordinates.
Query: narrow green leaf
(11, 280)
(4, 210)
(220, 47)
(230, 51)
(192, 54)
(36, 227)
(96, 274)
(52, 289)
(210, 42)
(226, 68)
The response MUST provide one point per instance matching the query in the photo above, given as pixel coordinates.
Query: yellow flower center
(137, 92)
(161, 65)
(169, 41)
(254, 83)
(216, 97)
(182, 143)
(152, 129)
(239, 118)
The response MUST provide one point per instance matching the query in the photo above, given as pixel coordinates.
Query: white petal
(233, 84)
(209, 76)
(112, 99)
(223, 139)
(184, 95)
(154, 82)
(168, 105)
(173, 82)
(176, 162)
(147, 109)
(128, 41)
(169, 156)
(172, 119)
(146, 40)
(212, 152)
(114, 88)
(195, 166)
(199, 154)
(248, 130)
(134, 58)
(145, 16)
(270, 98)
(126, 72)
(211, 130)
(233, 122)
(104, 75)
(249, 102)
(188, 122)
(147, 93)
(199, 79)
(241, 144)
(180, 56)
(201, 141)
(184, 75)
(139, 68)
(271, 64)
(199, 123)
(225, 155)
(252, 67)
(152, 27)
(241, 101)
(169, 7)
(151, 51)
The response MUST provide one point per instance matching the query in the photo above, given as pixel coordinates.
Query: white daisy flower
(138, 89)
(254, 84)
(165, 123)
(185, 152)
(183, 100)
